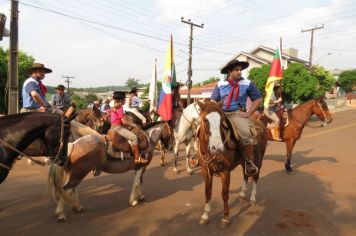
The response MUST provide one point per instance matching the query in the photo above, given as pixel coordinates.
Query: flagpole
(171, 59)
(280, 81)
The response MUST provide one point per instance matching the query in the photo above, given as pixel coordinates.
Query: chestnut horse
(297, 120)
(220, 152)
(90, 152)
(19, 130)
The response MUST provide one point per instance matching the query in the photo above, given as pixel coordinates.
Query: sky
(105, 42)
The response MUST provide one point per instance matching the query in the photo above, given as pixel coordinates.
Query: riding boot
(250, 168)
(137, 155)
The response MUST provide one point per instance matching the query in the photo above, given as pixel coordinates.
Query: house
(263, 55)
(259, 56)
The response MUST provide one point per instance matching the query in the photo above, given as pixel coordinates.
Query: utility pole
(13, 82)
(311, 43)
(67, 81)
(190, 72)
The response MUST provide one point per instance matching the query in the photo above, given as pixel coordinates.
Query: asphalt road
(318, 198)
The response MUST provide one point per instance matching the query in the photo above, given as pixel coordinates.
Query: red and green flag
(274, 74)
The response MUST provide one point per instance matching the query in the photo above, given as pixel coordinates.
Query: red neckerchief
(43, 88)
(234, 86)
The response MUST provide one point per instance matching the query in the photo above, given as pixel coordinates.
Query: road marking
(25, 173)
(328, 131)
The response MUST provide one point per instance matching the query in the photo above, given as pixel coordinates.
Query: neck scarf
(234, 87)
(43, 88)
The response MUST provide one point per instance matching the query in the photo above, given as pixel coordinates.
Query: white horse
(184, 132)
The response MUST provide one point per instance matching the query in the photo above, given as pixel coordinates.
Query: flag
(165, 104)
(274, 74)
(152, 93)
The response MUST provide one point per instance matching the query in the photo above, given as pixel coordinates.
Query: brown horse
(297, 120)
(91, 117)
(90, 152)
(220, 152)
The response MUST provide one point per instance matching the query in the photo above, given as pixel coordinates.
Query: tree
(298, 84)
(325, 79)
(80, 103)
(347, 80)
(25, 61)
(132, 82)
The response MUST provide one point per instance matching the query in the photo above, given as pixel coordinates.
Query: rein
(313, 126)
(60, 149)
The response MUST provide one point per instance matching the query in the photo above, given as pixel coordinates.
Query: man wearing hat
(234, 91)
(116, 115)
(60, 99)
(134, 103)
(33, 91)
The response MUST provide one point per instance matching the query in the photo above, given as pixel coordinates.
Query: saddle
(119, 148)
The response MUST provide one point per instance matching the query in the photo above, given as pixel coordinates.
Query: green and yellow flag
(274, 74)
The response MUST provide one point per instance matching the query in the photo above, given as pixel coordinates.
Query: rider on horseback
(234, 92)
(270, 112)
(117, 114)
(134, 103)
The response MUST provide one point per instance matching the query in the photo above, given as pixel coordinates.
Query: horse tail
(56, 181)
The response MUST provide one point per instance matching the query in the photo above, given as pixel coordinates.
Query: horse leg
(188, 144)
(76, 207)
(163, 153)
(244, 187)
(175, 150)
(208, 190)
(225, 181)
(290, 146)
(135, 187)
(253, 192)
(59, 211)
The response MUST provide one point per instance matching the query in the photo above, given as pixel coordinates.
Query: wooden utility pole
(13, 82)
(311, 43)
(67, 81)
(190, 72)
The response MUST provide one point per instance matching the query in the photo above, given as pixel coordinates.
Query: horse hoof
(190, 172)
(288, 168)
(78, 209)
(224, 223)
(134, 203)
(142, 198)
(61, 218)
(253, 203)
(175, 170)
(203, 221)
(161, 163)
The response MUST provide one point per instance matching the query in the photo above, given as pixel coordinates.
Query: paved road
(318, 198)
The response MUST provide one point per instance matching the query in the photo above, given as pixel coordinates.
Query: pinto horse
(19, 130)
(220, 152)
(90, 152)
(297, 120)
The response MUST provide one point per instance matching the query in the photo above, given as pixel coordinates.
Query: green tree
(132, 82)
(259, 76)
(24, 62)
(90, 98)
(325, 79)
(81, 104)
(347, 80)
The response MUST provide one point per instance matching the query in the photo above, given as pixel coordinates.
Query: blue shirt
(246, 89)
(28, 86)
(135, 102)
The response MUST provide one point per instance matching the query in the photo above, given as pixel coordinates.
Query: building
(259, 56)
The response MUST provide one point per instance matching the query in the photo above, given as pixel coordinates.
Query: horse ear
(201, 105)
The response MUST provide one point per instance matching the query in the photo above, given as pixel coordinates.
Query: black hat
(39, 66)
(232, 64)
(133, 90)
(119, 95)
(60, 87)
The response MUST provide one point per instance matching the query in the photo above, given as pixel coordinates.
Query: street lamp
(327, 54)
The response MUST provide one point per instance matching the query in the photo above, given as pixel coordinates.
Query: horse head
(91, 117)
(321, 110)
(213, 121)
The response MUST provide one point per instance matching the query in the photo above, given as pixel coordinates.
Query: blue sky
(120, 39)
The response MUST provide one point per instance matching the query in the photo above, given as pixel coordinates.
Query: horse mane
(150, 125)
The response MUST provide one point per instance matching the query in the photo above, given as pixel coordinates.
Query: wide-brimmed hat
(133, 90)
(119, 95)
(60, 87)
(232, 64)
(39, 66)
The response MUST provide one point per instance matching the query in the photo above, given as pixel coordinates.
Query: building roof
(203, 89)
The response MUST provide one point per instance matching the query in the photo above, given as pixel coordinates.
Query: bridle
(60, 150)
(92, 119)
(185, 117)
